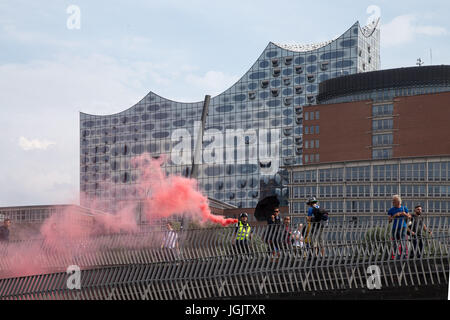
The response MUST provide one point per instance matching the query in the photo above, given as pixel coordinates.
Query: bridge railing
(367, 239)
(210, 263)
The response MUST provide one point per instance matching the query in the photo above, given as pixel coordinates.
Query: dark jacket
(4, 233)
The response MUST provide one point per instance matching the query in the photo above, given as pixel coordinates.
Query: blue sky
(181, 50)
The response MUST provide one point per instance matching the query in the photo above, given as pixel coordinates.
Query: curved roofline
(373, 28)
(169, 100)
(325, 43)
(320, 45)
(248, 70)
(149, 93)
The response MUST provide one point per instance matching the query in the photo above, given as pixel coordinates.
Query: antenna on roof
(419, 62)
(431, 56)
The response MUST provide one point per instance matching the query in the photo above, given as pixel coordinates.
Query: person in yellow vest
(243, 234)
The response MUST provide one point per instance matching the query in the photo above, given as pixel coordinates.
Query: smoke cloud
(62, 235)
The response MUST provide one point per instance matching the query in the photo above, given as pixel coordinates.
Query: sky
(59, 58)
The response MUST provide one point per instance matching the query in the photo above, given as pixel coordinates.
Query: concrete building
(374, 135)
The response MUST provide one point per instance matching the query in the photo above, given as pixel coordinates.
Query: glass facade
(269, 96)
(368, 186)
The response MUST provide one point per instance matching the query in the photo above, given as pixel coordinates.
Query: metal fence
(210, 263)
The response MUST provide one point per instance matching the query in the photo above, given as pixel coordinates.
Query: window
(306, 116)
(382, 110)
(358, 206)
(382, 139)
(298, 89)
(382, 153)
(317, 143)
(439, 171)
(311, 115)
(385, 190)
(388, 172)
(317, 115)
(275, 92)
(264, 84)
(357, 173)
(276, 72)
(317, 129)
(306, 129)
(385, 124)
(358, 191)
(306, 158)
(317, 157)
(306, 144)
(287, 61)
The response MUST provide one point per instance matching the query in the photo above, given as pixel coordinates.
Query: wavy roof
(366, 31)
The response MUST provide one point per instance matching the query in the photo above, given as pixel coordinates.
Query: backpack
(320, 214)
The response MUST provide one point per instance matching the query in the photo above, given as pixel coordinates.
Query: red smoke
(166, 196)
(162, 196)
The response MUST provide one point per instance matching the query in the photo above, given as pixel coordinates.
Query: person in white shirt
(170, 241)
(298, 237)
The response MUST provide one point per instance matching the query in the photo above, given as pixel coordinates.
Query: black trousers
(417, 246)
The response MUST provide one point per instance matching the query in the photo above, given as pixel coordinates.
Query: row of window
(439, 171)
(368, 206)
(311, 144)
(382, 110)
(382, 139)
(384, 124)
(364, 191)
(312, 158)
(35, 215)
(311, 129)
(311, 115)
(385, 153)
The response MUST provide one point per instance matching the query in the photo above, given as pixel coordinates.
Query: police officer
(243, 233)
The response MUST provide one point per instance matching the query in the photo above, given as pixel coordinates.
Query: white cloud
(431, 30)
(34, 144)
(404, 29)
(42, 99)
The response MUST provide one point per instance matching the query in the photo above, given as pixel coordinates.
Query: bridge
(350, 258)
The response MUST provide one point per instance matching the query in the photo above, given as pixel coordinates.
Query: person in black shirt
(275, 217)
(416, 230)
(4, 230)
(274, 232)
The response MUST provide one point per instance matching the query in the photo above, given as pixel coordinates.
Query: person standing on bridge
(398, 215)
(416, 231)
(170, 242)
(243, 234)
(4, 230)
(274, 232)
(316, 223)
